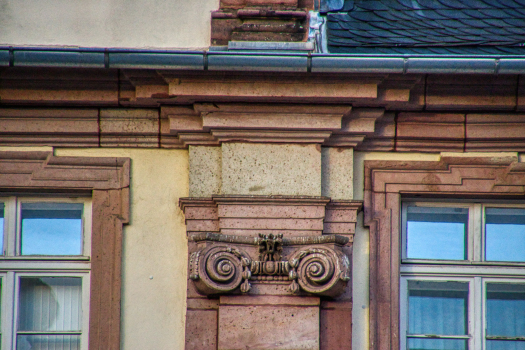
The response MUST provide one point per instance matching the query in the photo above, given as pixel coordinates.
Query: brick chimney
(260, 20)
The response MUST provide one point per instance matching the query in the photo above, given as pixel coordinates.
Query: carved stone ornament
(315, 264)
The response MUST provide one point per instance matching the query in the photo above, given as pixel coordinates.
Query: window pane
(436, 233)
(2, 206)
(437, 344)
(50, 304)
(505, 345)
(506, 310)
(48, 342)
(51, 229)
(437, 308)
(504, 234)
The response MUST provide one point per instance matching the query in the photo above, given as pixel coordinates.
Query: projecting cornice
(211, 124)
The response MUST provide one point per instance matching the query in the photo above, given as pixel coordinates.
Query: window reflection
(504, 234)
(436, 233)
(51, 229)
(49, 304)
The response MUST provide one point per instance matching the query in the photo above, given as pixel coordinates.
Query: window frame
(475, 269)
(14, 265)
(12, 226)
(106, 181)
(490, 178)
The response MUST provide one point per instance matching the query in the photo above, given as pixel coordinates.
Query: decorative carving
(316, 269)
(321, 271)
(270, 247)
(220, 269)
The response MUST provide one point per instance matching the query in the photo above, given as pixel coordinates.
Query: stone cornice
(212, 124)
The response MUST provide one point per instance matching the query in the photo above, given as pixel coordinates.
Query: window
(45, 246)
(462, 283)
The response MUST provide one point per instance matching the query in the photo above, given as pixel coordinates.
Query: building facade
(262, 174)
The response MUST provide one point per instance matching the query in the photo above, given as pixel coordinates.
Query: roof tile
(437, 26)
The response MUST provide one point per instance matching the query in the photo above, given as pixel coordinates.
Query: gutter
(259, 62)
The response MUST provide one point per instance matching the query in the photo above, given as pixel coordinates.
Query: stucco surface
(205, 171)
(107, 23)
(155, 248)
(337, 169)
(263, 169)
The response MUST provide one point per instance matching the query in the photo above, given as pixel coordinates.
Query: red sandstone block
(336, 329)
(286, 233)
(201, 330)
(275, 224)
(271, 211)
(339, 227)
(202, 225)
(204, 213)
(341, 215)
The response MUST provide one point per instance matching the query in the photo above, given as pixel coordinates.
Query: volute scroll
(315, 265)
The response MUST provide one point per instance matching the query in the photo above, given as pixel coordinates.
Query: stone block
(201, 330)
(205, 171)
(336, 327)
(271, 211)
(53, 127)
(261, 169)
(129, 127)
(337, 172)
(268, 327)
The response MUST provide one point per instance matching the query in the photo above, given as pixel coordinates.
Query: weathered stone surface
(337, 172)
(268, 327)
(129, 127)
(259, 169)
(205, 171)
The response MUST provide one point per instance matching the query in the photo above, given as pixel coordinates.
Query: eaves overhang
(259, 62)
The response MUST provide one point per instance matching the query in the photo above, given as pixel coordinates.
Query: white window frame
(476, 270)
(13, 266)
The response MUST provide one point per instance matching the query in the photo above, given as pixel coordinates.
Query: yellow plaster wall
(155, 248)
(107, 23)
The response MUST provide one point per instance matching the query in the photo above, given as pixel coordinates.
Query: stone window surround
(106, 180)
(386, 182)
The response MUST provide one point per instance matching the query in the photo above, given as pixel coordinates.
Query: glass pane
(504, 234)
(50, 304)
(506, 310)
(505, 345)
(436, 233)
(48, 342)
(51, 229)
(437, 344)
(437, 308)
(2, 206)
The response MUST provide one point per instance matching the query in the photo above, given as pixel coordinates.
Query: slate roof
(428, 26)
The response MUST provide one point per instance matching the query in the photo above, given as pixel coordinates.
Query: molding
(291, 215)
(386, 182)
(211, 124)
(331, 125)
(107, 180)
(255, 240)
